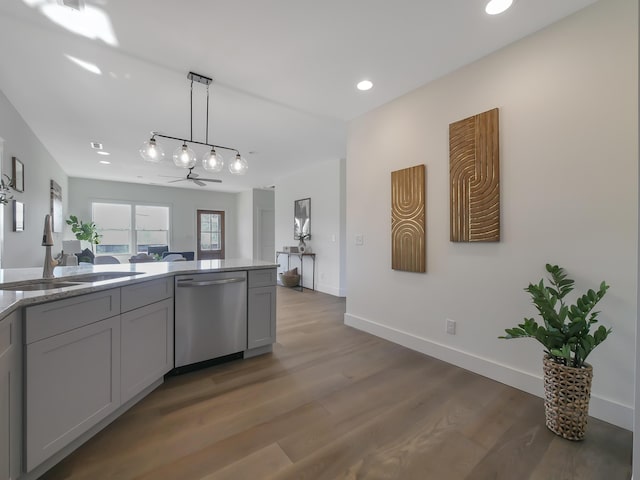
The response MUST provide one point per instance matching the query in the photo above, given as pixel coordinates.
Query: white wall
(254, 239)
(24, 249)
(569, 185)
(321, 183)
(263, 224)
(183, 202)
(245, 224)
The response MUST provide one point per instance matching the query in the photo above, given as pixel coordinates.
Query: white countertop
(10, 300)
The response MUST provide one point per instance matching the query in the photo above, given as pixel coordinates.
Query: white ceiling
(284, 72)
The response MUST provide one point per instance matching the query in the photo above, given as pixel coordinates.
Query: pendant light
(239, 165)
(213, 161)
(184, 156)
(151, 151)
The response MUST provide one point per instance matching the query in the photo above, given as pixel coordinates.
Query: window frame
(133, 239)
(207, 254)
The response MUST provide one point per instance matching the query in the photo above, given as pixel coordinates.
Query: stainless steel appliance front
(210, 316)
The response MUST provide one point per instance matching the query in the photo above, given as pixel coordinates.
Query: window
(128, 229)
(210, 234)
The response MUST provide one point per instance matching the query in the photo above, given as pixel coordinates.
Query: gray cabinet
(10, 397)
(146, 347)
(145, 293)
(261, 308)
(72, 382)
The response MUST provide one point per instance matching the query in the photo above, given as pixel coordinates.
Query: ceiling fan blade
(193, 174)
(169, 176)
(198, 182)
(178, 180)
(214, 180)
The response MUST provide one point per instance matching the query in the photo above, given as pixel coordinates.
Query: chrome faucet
(47, 241)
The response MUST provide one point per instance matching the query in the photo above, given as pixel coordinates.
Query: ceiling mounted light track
(184, 156)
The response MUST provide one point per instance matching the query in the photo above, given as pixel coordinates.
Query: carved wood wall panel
(474, 169)
(408, 240)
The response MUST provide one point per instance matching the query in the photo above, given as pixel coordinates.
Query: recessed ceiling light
(105, 162)
(364, 85)
(494, 7)
(102, 152)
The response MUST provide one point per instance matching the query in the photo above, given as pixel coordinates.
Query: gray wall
(182, 201)
(23, 249)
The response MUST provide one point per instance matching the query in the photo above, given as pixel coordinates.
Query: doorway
(210, 234)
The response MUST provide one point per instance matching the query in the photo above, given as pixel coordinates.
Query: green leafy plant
(566, 333)
(5, 189)
(84, 231)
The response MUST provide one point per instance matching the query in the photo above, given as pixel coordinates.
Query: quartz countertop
(140, 272)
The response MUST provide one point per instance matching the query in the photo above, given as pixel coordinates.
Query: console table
(301, 257)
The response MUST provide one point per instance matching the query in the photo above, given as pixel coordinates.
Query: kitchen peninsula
(76, 355)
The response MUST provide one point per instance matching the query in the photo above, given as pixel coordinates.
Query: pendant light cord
(191, 110)
(207, 131)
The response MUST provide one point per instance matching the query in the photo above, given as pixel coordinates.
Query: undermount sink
(52, 284)
(101, 276)
(40, 285)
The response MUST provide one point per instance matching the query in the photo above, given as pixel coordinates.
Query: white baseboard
(599, 407)
(330, 289)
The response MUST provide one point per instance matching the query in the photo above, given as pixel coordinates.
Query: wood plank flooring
(335, 403)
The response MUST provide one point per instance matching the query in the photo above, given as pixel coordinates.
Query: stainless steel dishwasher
(210, 316)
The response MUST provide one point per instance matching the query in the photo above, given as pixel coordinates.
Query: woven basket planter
(289, 280)
(566, 398)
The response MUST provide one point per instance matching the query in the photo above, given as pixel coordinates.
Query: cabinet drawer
(262, 278)
(49, 319)
(145, 293)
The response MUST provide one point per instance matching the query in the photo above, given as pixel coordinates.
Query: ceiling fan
(195, 178)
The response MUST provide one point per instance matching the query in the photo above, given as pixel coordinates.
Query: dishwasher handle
(207, 283)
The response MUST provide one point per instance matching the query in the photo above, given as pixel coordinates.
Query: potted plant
(84, 231)
(5, 189)
(568, 340)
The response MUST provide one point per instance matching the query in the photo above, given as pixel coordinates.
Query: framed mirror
(302, 218)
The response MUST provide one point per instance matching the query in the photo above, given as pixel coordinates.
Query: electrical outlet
(359, 239)
(451, 326)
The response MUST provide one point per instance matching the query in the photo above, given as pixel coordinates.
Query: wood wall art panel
(474, 169)
(408, 240)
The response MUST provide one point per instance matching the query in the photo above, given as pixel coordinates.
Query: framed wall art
(18, 216)
(17, 175)
(56, 206)
(302, 218)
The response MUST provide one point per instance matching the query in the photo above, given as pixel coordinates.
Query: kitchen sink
(51, 284)
(101, 276)
(40, 285)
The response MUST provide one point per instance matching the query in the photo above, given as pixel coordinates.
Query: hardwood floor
(335, 403)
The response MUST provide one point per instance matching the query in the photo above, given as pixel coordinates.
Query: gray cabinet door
(72, 382)
(10, 397)
(147, 346)
(261, 316)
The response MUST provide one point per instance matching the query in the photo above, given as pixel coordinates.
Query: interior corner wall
(24, 249)
(183, 203)
(321, 183)
(568, 100)
(263, 215)
(245, 224)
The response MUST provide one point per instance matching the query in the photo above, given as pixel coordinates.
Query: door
(210, 234)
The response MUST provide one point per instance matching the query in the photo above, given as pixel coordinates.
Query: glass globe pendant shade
(184, 157)
(151, 152)
(213, 161)
(238, 166)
